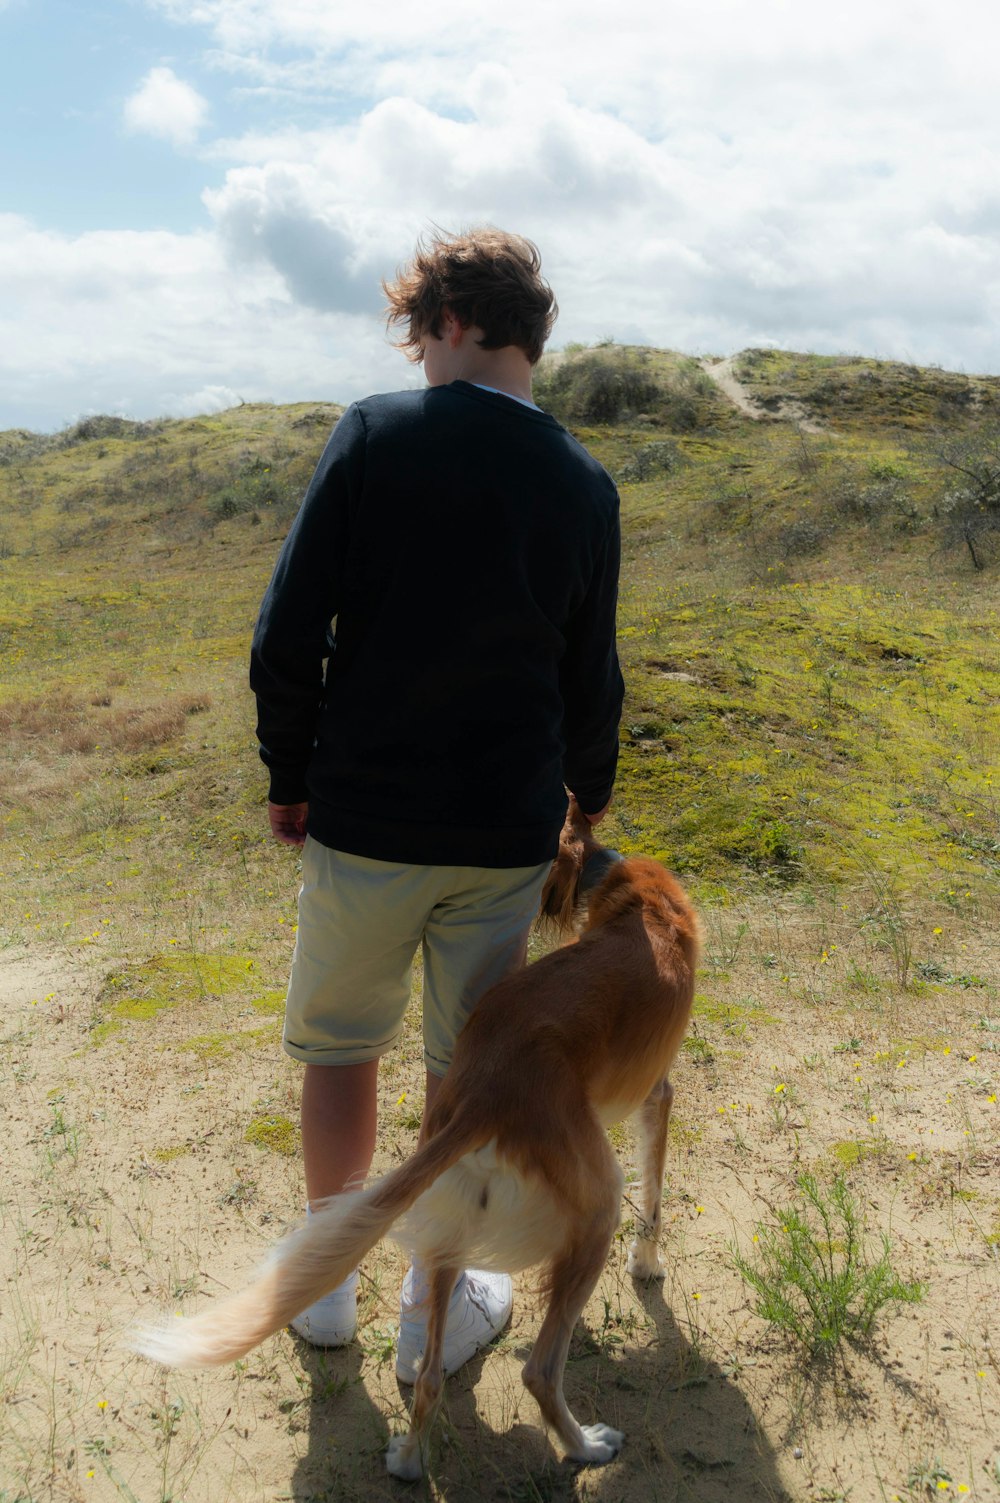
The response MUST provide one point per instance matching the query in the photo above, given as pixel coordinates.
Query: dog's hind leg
(572, 1278)
(405, 1455)
(654, 1118)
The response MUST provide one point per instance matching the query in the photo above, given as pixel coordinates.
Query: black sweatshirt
(468, 548)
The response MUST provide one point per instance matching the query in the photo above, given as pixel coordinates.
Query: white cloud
(211, 398)
(699, 239)
(143, 323)
(165, 106)
(701, 174)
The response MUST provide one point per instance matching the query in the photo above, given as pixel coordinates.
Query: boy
(468, 548)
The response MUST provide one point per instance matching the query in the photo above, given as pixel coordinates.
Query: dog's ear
(560, 895)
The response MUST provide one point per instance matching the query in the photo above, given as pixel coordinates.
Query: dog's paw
(600, 1444)
(403, 1459)
(644, 1261)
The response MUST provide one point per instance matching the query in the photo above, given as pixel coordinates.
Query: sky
(199, 198)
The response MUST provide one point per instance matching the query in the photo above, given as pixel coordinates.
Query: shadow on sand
(690, 1432)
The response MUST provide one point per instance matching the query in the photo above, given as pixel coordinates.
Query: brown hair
(489, 280)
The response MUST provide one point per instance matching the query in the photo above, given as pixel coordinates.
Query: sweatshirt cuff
(287, 788)
(593, 803)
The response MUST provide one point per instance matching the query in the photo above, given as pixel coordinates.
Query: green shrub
(970, 508)
(616, 384)
(810, 1273)
(659, 458)
(257, 485)
(598, 386)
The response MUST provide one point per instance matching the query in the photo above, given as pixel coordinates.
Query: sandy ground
(128, 1189)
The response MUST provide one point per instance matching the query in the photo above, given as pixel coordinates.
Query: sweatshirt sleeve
(291, 640)
(592, 685)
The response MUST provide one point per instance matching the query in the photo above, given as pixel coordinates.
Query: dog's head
(580, 865)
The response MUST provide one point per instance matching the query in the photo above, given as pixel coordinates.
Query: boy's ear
(452, 328)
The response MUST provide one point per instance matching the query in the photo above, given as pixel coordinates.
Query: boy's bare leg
(339, 1118)
(432, 1088)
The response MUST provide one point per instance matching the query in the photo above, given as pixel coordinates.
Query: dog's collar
(596, 868)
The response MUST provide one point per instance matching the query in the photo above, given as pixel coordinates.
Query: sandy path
(785, 411)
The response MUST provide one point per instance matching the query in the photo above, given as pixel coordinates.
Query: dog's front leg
(405, 1454)
(654, 1118)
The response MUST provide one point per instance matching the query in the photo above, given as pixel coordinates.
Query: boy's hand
(595, 819)
(288, 822)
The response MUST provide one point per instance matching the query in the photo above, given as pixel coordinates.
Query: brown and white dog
(516, 1170)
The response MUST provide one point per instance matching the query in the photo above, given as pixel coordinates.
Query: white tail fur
(307, 1264)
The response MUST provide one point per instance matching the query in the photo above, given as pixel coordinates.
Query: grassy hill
(807, 624)
(809, 647)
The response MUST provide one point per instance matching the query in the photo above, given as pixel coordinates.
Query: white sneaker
(480, 1308)
(332, 1320)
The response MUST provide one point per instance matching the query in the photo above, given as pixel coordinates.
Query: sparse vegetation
(618, 384)
(970, 507)
(812, 676)
(811, 1274)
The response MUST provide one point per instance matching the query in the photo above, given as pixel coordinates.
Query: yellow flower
(401, 1099)
(972, 1059)
(102, 1403)
(696, 1296)
(911, 1157)
(873, 1117)
(699, 1209)
(779, 1088)
(939, 931)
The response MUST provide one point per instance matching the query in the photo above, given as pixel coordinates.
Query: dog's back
(599, 1019)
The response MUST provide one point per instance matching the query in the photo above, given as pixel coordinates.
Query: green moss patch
(139, 993)
(274, 1134)
(220, 1046)
(682, 1134)
(168, 1155)
(852, 1151)
(271, 1003)
(734, 1017)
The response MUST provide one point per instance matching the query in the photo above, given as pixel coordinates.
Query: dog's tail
(311, 1261)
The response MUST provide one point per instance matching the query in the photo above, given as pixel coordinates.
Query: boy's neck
(507, 370)
(457, 355)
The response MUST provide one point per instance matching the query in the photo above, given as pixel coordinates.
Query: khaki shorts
(360, 923)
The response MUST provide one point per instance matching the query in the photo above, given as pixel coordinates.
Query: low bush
(810, 1272)
(615, 384)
